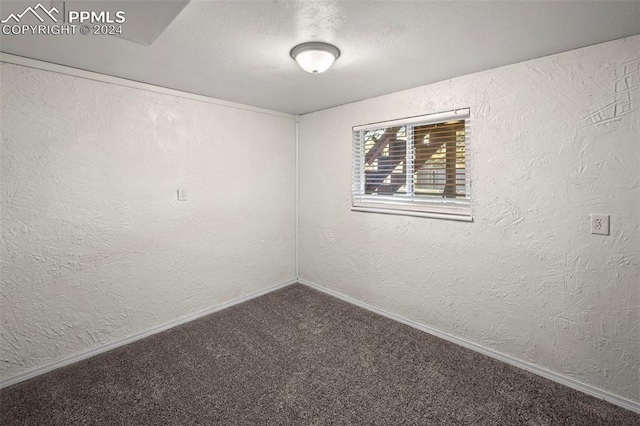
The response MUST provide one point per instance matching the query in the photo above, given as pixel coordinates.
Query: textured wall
(553, 140)
(95, 246)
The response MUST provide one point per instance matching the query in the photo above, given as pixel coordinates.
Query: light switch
(182, 194)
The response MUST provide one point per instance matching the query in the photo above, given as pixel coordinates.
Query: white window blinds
(416, 165)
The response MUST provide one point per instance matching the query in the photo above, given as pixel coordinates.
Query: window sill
(416, 213)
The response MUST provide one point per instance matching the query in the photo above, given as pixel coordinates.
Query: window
(416, 166)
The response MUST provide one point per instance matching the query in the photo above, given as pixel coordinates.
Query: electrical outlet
(600, 224)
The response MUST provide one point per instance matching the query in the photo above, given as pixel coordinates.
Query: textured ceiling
(239, 50)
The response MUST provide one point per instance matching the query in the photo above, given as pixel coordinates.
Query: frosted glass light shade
(315, 57)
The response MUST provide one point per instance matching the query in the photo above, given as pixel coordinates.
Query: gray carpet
(298, 357)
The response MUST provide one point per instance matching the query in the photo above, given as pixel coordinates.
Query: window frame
(433, 206)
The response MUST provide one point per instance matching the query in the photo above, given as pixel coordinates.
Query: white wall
(95, 246)
(526, 278)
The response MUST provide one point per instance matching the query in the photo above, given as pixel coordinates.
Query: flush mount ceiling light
(315, 57)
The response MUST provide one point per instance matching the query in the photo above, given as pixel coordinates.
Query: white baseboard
(556, 377)
(107, 347)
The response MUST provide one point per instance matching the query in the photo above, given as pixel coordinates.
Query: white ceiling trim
(90, 75)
